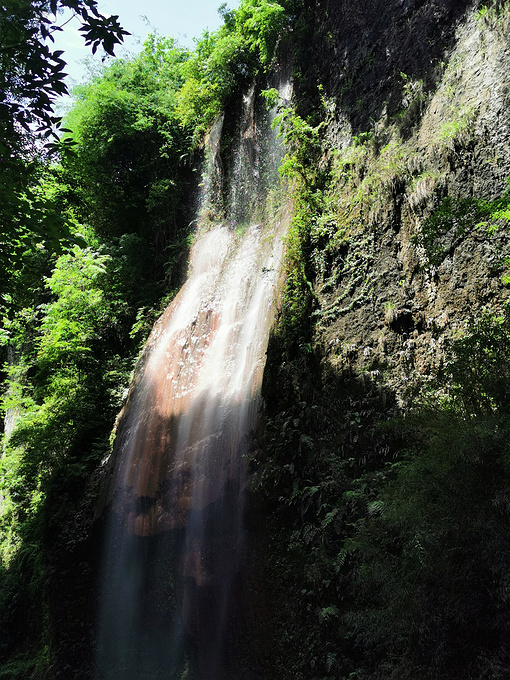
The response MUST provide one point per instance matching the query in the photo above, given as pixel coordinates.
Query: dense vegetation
(95, 229)
(389, 536)
(386, 552)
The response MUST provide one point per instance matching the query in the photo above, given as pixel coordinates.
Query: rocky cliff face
(405, 254)
(431, 99)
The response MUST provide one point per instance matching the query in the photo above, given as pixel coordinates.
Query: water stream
(175, 540)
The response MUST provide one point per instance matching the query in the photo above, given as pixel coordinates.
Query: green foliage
(31, 77)
(489, 11)
(129, 149)
(482, 12)
(60, 400)
(261, 21)
(364, 177)
(219, 61)
(71, 361)
(302, 141)
(299, 166)
(460, 124)
(33, 221)
(224, 62)
(293, 326)
(413, 102)
(458, 218)
(271, 96)
(31, 73)
(479, 371)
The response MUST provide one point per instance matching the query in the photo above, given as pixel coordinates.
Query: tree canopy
(32, 76)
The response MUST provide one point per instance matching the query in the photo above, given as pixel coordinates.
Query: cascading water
(175, 542)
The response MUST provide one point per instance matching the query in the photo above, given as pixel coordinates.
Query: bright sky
(181, 19)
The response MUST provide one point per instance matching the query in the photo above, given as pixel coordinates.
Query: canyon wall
(380, 490)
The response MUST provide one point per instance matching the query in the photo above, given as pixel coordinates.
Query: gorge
(309, 475)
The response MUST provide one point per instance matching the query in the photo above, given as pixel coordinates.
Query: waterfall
(177, 476)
